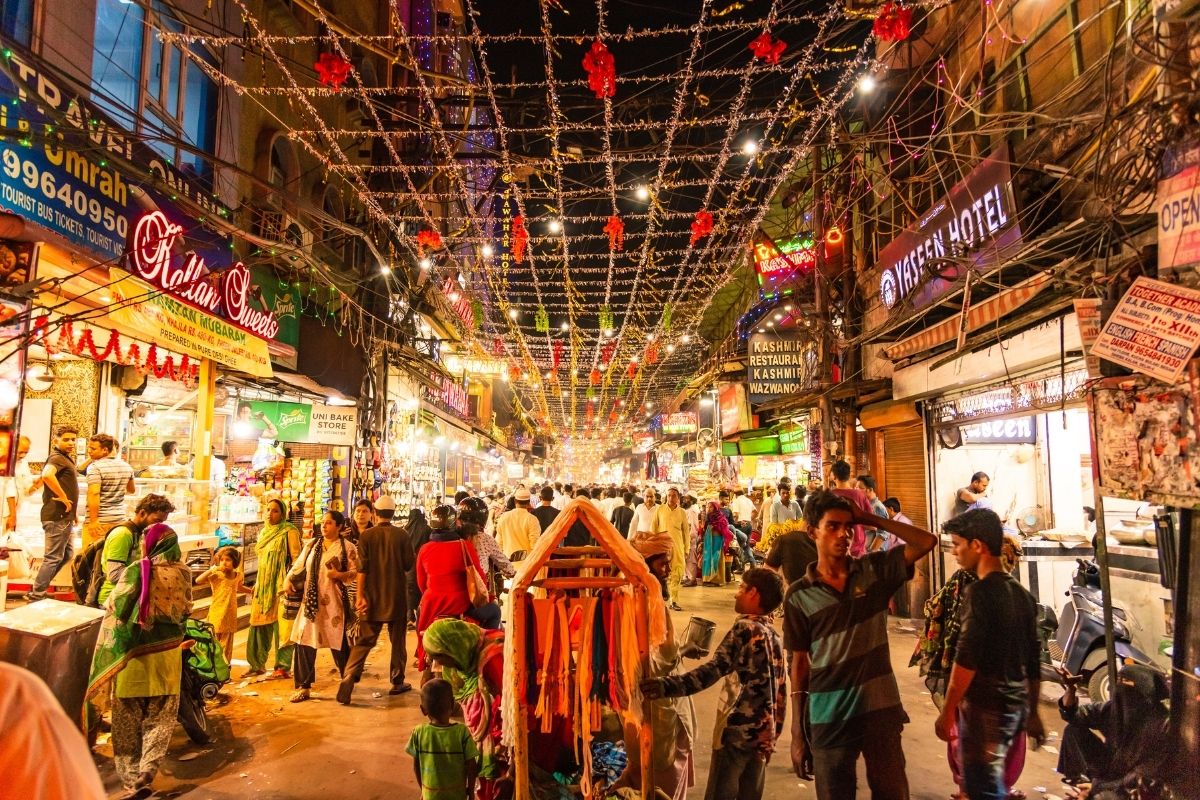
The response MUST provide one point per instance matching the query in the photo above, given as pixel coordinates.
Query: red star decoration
(332, 69)
(616, 233)
(702, 226)
(601, 70)
(520, 239)
(893, 24)
(768, 49)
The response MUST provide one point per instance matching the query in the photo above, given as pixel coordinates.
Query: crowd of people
(829, 560)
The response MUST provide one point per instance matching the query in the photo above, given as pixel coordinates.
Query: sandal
(300, 696)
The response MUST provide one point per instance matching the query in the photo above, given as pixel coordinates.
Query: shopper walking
(277, 548)
(60, 498)
(418, 534)
(385, 556)
(327, 568)
(835, 625)
(109, 480)
(123, 543)
(993, 689)
(361, 518)
(717, 537)
(517, 531)
(671, 519)
(138, 650)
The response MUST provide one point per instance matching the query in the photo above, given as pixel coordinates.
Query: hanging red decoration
(601, 70)
(702, 226)
(768, 49)
(612, 418)
(616, 234)
(556, 354)
(186, 372)
(894, 23)
(594, 378)
(520, 239)
(497, 346)
(514, 373)
(651, 354)
(606, 352)
(428, 238)
(632, 371)
(332, 69)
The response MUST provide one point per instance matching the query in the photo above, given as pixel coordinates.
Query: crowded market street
(600, 399)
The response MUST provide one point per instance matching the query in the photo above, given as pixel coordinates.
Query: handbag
(293, 594)
(349, 590)
(477, 591)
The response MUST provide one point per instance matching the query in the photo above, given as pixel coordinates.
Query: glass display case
(148, 429)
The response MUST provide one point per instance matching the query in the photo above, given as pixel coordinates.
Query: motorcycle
(205, 671)
(1076, 641)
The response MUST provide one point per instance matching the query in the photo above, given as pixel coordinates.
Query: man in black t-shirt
(791, 554)
(546, 512)
(994, 685)
(60, 498)
(622, 515)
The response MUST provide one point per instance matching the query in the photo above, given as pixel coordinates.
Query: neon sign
(150, 255)
(797, 253)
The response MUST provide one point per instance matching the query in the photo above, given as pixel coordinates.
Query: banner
(1153, 330)
(282, 300)
(314, 423)
(150, 314)
(337, 425)
(781, 363)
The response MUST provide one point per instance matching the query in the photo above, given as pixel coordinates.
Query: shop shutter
(904, 471)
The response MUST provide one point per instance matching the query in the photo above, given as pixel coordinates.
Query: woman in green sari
(138, 654)
(277, 547)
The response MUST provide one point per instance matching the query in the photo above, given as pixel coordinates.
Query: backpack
(87, 571)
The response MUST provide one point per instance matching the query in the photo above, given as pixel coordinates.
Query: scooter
(1076, 641)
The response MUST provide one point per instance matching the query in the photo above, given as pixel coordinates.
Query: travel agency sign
(975, 222)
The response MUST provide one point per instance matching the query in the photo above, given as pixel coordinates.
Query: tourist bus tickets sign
(1153, 330)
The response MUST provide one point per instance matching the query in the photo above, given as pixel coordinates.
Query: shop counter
(54, 640)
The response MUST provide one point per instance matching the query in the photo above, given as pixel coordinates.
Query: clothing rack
(579, 572)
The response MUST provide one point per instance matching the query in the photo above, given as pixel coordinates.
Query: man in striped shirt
(835, 626)
(109, 479)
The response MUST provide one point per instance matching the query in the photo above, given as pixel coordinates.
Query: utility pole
(829, 444)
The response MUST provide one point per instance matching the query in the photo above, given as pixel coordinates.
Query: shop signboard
(793, 439)
(283, 300)
(289, 421)
(1015, 430)
(1179, 208)
(680, 422)
(1087, 316)
(773, 258)
(1154, 330)
(976, 222)
(60, 168)
(336, 425)
(781, 363)
(734, 409)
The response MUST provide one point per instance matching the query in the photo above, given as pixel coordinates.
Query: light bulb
(486, 251)
(425, 263)
(750, 147)
(513, 313)
(866, 84)
(555, 226)
(641, 192)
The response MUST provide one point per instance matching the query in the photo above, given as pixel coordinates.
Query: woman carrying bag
(278, 547)
(326, 570)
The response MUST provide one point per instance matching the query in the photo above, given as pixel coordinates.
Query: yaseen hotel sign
(975, 222)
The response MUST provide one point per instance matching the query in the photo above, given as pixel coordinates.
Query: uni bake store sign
(976, 223)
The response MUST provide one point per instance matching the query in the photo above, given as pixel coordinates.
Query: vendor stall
(570, 582)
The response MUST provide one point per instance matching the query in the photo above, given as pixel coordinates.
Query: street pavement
(265, 747)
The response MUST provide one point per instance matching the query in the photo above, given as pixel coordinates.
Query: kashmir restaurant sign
(780, 363)
(976, 222)
(178, 301)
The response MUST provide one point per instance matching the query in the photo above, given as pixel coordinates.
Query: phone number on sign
(75, 201)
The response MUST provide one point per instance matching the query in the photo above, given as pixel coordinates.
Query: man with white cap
(518, 529)
(385, 555)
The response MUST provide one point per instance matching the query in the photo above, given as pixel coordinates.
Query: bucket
(699, 633)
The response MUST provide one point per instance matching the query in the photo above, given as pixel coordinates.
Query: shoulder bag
(476, 589)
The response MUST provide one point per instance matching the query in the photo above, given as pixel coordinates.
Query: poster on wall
(1147, 444)
(1153, 330)
(314, 423)
(1087, 316)
(735, 411)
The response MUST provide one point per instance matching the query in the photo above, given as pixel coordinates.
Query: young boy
(754, 697)
(445, 757)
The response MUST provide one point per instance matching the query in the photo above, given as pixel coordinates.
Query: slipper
(300, 696)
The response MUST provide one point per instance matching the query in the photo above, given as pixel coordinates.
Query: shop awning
(985, 313)
(309, 385)
(888, 413)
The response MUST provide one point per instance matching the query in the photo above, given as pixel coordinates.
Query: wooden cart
(610, 564)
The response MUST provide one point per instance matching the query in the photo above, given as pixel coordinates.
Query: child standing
(226, 581)
(445, 757)
(754, 697)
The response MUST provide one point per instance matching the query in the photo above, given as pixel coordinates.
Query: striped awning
(984, 313)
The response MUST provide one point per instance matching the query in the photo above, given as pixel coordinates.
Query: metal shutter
(904, 471)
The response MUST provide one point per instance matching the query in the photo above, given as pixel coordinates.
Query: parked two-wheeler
(205, 671)
(1075, 642)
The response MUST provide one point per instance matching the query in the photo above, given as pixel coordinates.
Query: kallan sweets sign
(151, 258)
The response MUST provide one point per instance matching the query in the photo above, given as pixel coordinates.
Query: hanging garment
(555, 673)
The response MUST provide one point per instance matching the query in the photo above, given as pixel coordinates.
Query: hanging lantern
(767, 49)
(332, 70)
(606, 353)
(666, 317)
(606, 318)
(702, 226)
(514, 373)
(652, 353)
(601, 70)
(520, 239)
(616, 234)
(893, 24)
(590, 394)
(631, 371)
(621, 390)
(541, 320)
